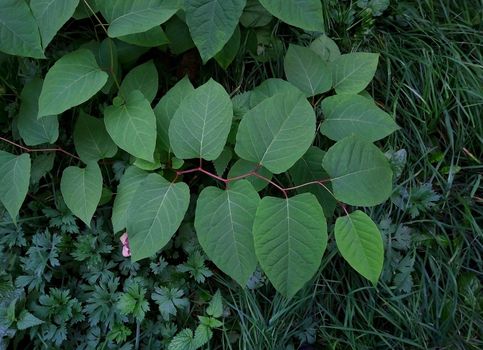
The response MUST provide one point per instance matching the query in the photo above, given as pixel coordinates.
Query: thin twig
(29, 150)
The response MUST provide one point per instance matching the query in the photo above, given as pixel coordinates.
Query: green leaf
(305, 14)
(200, 126)
(203, 334)
(346, 115)
(307, 70)
(215, 309)
(222, 161)
(14, 181)
(290, 238)
(81, 190)
(72, 80)
(143, 78)
(326, 48)
(309, 168)
(212, 23)
(167, 107)
(242, 166)
(223, 223)
(184, 340)
(179, 36)
(19, 34)
(91, 140)
(128, 17)
(51, 15)
(269, 88)
(132, 126)
(149, 166)
(85, 9)
(106, 56)
(229, 51)
(360, 173)
(277, 132)
(254, 15)
(154, 215)
(150, 38)
(128, 186)
(360, 243)
(32, 130)
(354, 71)
(169, 301)
(27, 320)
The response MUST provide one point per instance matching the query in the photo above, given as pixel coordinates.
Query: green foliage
(353, 72)
(360, 243)
(307, 70)
(268, 130)
(276, 132)
(305, 14)
(14, 182)
(129, 17)
(154, 214)
(223, 223)
(19, 34)
(132, 125)
(72, 80)
(81, 190)
(201, 124)
(212, 23)
(290, 238)
(35, 131)
(183, 158)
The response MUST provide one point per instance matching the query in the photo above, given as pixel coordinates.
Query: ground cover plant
(173, 171)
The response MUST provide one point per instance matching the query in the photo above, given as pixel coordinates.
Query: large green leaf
(243, 166)
(326, 48)
(128, 17)
(91, 140)
(305, 14)
(130, 181)
(223, 223)
(352, 72)
(360, 243)
(277, 132)
(269, 88)
(212, 23)
(107, 58)
(230, 50)
(154, 215)
(167, 107)
(72, 80)
(32, 130)
(14, 181)
(132, 126)
(307, 70)
(143, 78)
(346, 115)
(309, 168)
(51, 16)
(290, 237)
(81, 190)
(151, 38)
(200, 126)
(19, 34)
(360, 173)
(255, 15)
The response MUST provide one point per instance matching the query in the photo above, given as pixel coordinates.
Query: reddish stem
(26, 149)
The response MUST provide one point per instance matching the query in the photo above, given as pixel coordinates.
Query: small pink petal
(124, 239)
(126, 252)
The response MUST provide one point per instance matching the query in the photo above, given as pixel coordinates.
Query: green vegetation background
(430, 294)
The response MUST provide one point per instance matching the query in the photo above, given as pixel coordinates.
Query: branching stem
(29, 150)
